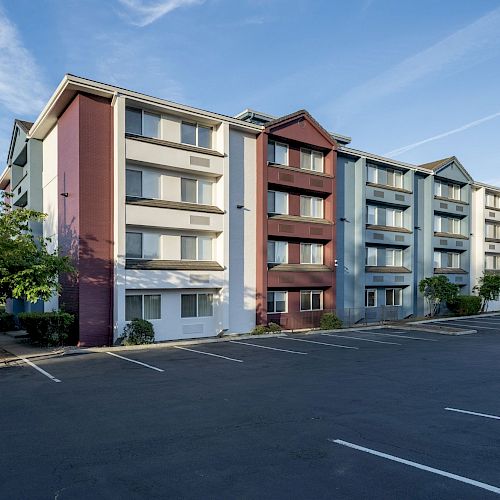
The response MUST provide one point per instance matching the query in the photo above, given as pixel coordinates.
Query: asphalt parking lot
(359, 414)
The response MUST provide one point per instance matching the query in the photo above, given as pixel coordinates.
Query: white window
(450, 225)
(196, 135)
(311, 300)
(394, 217)
(142, 245)
(394, 257)
(371, 256)
(310, 206)
(277, 202)
(196, 248)
(277, 252)
(372, 174)
(447, 190)
(277, 302)
(371, 297)
(142, 184)
(277, 152)
(140, 122)
(492, 262)
(142, 307)
(384, 176)
(492, 231)
(311, 253)
(438, 224)
(196, 191)
(455, 226)
(492, 200)
(393, 297)
(197, 305)
(446, 260)
(395, 178)
(311, 160)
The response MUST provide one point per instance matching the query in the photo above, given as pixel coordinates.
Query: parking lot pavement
(483, 324)
(258, 420)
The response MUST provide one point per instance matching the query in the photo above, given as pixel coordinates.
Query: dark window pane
(188, 133)
(151, 125)
(133, 245)
(305, 301)
(188, 190)
(316, 300)
(133, 307)
(134, 183)
(188, 306)
(188, 247)
(152, 306)
(270, 302)
(205, 304)
(133, 121)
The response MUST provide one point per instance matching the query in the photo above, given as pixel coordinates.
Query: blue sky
(416, 81)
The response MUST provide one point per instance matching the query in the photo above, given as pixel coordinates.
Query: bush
(7, 322)
(47, 329)
(329, 321)
(465, 305)
(269, 328)
(138, 331)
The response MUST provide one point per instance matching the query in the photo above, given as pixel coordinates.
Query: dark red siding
(85, 172)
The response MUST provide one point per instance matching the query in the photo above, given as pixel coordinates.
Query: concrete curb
(438, 330)
(454, 318)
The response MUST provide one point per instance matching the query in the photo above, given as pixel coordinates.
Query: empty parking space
(358, 338)
(474, 413)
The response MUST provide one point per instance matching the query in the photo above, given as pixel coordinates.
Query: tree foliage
(28, 270)
(488, 288)
(436, 290)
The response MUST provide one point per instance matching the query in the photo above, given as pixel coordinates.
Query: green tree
(488, 288)
(28, 270)
(436, 290)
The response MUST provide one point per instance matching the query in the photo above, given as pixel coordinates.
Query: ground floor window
(393, 297)
(276, 302)
(197, 305)
(142, 307)
(311, 300)
(370, 297)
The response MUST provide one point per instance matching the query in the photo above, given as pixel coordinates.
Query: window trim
(286, 252)
(197, 294)
(311, 291)
(198, 238)
(197, 126)
(310, 151)
(274, 192)
(197, 181)
(311, 244)
(142, 110)
(274, 142)
(311, 198)
(274, 302)
(370, 290)
(400, 294)
(142, 295)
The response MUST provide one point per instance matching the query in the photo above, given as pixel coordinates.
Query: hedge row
(47, 329)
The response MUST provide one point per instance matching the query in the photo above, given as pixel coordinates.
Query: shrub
(7, 322)
(48, 329)
(329, 321)
(465, 305)
(269, 328)
(138, 331)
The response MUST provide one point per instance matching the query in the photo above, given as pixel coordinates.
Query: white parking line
(475, 324)
(416, 465)
(265, 347)
(485, 415)
(134, 361)
(402, 336)
(321, 343)
(41, 370)
(209, 354)
(358, 338)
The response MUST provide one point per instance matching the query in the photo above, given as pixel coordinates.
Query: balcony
(294, 226)
(152, 216)
(300, 179)
(388, 276)
(388, 194)
(453, 241)
(388, 235)
(154, 279)
(173, 156)
(450, 206)
(300, 275)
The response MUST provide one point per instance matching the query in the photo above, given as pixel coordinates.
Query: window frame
(319, 246)
(273, 242)
(367, 292)
(198, 183)
(198, 294)
(274, 301)
(197, 126)
(310, 199)
(311, 293)
(283, 144)
(287, 199)
(371, 250)
(140, 172)
(143, 295)
(394, 252)
(399, 294)
(198, 239)
(311, 152)
(143, 111)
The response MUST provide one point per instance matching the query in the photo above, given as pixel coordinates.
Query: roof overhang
(454, 160)
(71, 85)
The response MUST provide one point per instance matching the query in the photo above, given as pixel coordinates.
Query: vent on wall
(491, 247)
(443, 205)
(199, 220)
(285, 177)
(459, 243)
(443, 242)
(458, 279)
(199, 162)
(459, 208)
(399, 279)
(400, 197)
(316, 231)
(285, 228)
(492, 214)
(287, 279)
(378, 194)
(199, 279)
(398, 237)
(316, 182)
(378, 279)
(196, 329)
(378, 236)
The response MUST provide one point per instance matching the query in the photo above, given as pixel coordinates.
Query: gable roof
(306, 114)
(25, 126)
(437, 165)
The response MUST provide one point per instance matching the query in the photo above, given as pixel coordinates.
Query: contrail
(397, 152)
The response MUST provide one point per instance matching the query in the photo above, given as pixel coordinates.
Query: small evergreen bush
(47, 329)
(329, 321)
(269, 328)
(7, 322)
(138, 331)
(465, 305)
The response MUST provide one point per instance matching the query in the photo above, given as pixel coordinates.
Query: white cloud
(21, 87)
(464, 47)
(475, 123)
(143, 13)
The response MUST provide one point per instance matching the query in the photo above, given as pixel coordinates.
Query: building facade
(204, 223)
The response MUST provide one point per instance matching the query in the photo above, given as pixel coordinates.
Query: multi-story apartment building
(203, 223)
